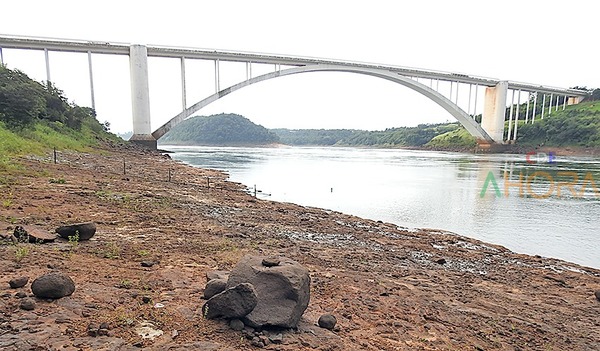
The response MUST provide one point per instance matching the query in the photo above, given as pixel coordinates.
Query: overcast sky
(544, 42)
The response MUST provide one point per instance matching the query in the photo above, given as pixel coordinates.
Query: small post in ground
(54, 155)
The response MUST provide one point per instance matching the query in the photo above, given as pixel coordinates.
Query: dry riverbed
(390, 288)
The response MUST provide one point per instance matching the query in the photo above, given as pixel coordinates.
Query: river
(537, 205)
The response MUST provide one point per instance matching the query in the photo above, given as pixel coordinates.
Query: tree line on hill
(24, 102)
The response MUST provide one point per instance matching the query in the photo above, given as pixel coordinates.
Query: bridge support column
(573, 100)
(494, 109)
(140, 96)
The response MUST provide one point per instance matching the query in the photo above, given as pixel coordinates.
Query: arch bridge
(426, 82)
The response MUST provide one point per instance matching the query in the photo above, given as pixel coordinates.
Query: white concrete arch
(469, 123)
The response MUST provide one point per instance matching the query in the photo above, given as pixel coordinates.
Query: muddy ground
(390, 288)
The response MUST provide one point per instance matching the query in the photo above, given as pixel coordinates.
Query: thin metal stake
(55, 155)
(124, 169)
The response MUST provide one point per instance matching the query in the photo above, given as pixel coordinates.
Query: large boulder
(53, 286)
(283, 290)
(84, 231)
(235, 302)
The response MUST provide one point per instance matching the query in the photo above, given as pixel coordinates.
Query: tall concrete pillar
(494, 109)
(140, 96)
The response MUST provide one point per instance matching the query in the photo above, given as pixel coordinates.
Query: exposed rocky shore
(162, 226)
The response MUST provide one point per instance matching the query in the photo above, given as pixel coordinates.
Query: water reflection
(430, 189)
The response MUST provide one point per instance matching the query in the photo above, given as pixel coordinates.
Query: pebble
(18, 282)
(27, 304)
(236, 324)
(271, 262)
(597, 293)
(20, 295)
(327, 321)
(147, 263)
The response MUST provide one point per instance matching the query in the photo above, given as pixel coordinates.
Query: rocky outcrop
(235, 302)
(283, 290)
(31, 234)
(53, 286)
(83, 231)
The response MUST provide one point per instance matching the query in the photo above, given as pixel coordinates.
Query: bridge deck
(99, 47)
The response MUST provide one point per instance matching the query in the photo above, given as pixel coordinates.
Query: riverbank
(390, 288)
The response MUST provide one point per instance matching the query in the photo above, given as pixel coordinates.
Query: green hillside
(578, 125)
(221, 129)
(35, 117)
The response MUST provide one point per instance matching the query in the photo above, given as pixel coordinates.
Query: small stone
(104, 326)
(20, 295)
(217, 275)
(27, 304)
(148, 263)
(146, 299)
(440, 261)
(256, 342)
(174, 334)
(213, 287)
(103, 332)
(92, 330)
(271, 262)
(18, 282)
(597, 293)
(276, 338)
(236, 324)
(327, 321)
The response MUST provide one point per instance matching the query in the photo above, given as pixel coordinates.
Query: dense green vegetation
(403, 136)
(221, 129)
(577, 125)
(326, 137)
(456, 139)
(36, 117)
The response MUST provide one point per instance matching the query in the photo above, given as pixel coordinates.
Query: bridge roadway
(100, 47)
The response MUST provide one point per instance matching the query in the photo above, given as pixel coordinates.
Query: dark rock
(440, 260)
(236, 324)
(213, 287)
(18, 282)
(27, 304)
(597, 293)
(92, 330)
(256, 342)
(146, 299)
(235, 302)
(148, 263)
(217, 275)
(33, 235)
(283, 291)
(20, 295)
(276, 338)
(104, 326)
(271, 262)
(53, 286)
(327, 321)
(85, 231)
(103, 332)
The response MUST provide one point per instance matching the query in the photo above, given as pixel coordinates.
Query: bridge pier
(494, 109)
(140, 96)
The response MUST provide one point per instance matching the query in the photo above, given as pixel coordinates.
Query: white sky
(543, 42)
